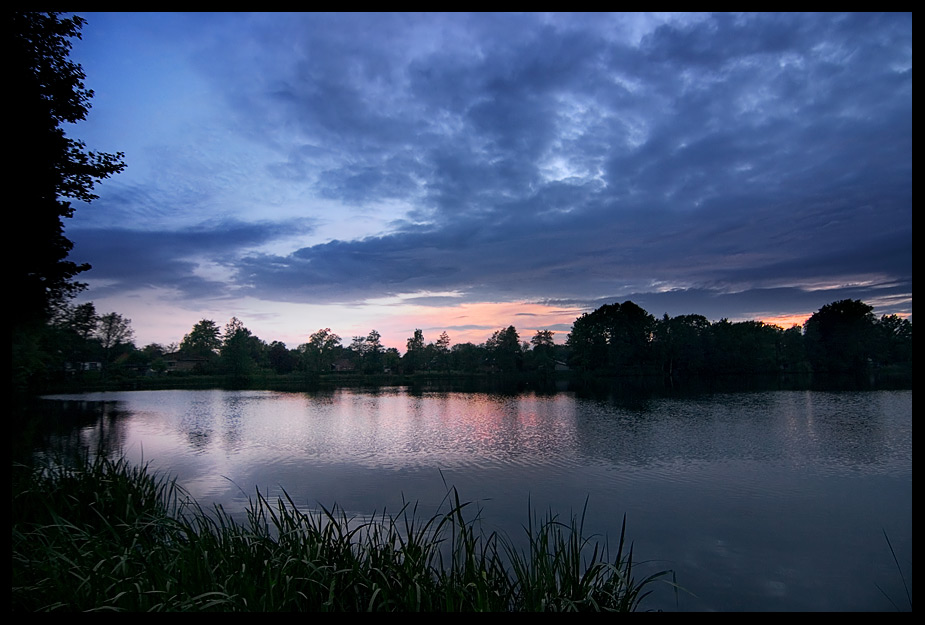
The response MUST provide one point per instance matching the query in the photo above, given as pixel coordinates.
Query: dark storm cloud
(127, 259)
(718, 158)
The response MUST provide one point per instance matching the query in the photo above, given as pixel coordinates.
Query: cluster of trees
(616, 339)
(238, 352)
(842, 337)
(80, 340)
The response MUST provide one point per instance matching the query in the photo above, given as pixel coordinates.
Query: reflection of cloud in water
(753, 496)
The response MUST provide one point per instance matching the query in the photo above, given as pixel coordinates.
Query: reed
(902, 577)
(103, 535)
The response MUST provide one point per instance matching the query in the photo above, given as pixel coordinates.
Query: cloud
(127, 259)
(711, 159)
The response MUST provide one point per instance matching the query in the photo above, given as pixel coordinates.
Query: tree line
(844, 337)
(78, 341)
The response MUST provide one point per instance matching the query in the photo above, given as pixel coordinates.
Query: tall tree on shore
(237, 353)
(112, 330)
(614, 337)
(203, 341)
(44, 90)
(443, 350)
(414, 355)
(318, 353)
(894, 340)
(504, 350)
(372, 357)
(840, 336)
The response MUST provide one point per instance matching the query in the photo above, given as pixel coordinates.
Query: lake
(763, 501)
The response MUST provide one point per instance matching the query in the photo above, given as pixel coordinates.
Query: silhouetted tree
(743, 347)
(616, 337)
(413, 359)
(467, 357)
(69, 336)
(81, 319)
(280, 358)
(893, 340)
(372, 355)
(318, 353)
(504, 350)
(793, 350)
(113, 330)
(357, 350)
(203, 341)
(153, 356)
(44, 90)
(840, 336)
(391, 359)
(367, 352)
(238, 357)
(443, 350)
(542, 354)
(681, 344)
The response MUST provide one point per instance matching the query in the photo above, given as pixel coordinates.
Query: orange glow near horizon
(476, 322)
(787, 321)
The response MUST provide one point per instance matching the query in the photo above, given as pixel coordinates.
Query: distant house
(562, 366)
(72, 367)
(180, 362)
(343, 364)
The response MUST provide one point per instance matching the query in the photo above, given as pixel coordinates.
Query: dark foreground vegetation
(103, 535)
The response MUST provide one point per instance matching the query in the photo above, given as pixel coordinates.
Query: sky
(467, 172)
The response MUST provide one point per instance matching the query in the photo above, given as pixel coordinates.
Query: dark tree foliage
(894, 340)
(112, 331)
(240, 353)
(203, 341)
(442, 349)
(45, 89)
(744, 347)
(281, 359)
(681, 344)
(616, 337)
(504, 351)
(318, 354)
(414, 358)
(467, 357)
(373, 353)
(840, 337)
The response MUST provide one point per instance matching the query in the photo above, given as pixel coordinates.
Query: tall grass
(902, 577)
(104, 535)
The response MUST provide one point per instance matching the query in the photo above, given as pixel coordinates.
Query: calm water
(758, 501)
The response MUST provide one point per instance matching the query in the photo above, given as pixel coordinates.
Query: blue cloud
(566, 157)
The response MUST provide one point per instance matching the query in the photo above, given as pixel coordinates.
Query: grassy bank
(104, 535)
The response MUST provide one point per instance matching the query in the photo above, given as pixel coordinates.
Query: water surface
(759, 501)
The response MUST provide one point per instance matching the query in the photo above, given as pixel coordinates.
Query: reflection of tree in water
(233, 413)
(854, 428)
(835, 431)
(618, 433)
(64, 428)
(199, 439)
(197, 424)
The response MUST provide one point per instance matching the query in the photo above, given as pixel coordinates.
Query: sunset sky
(468, 172)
